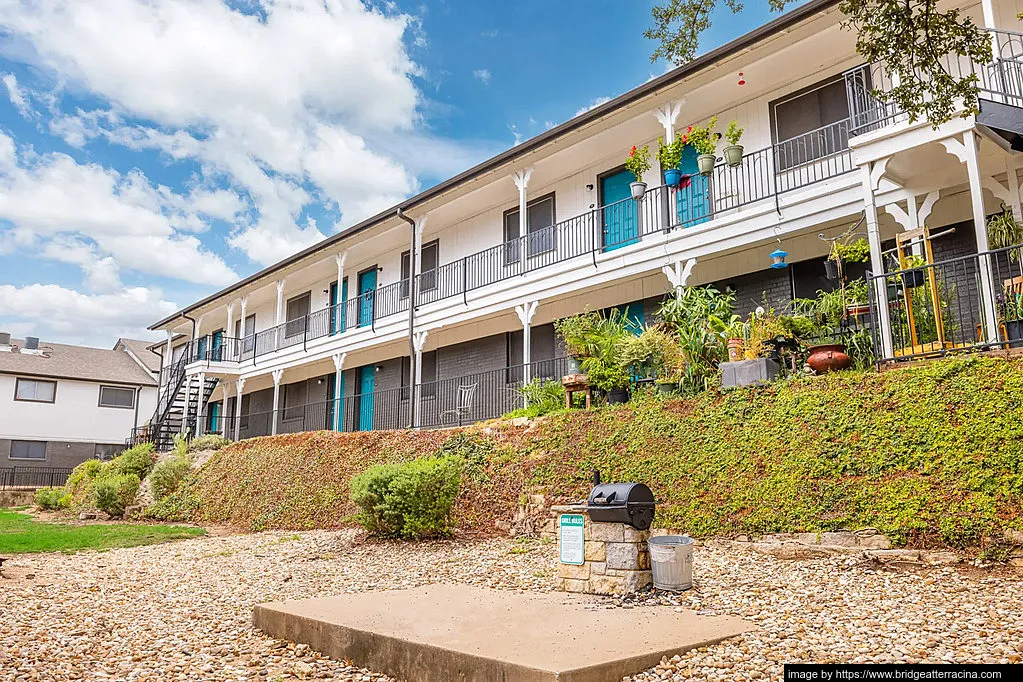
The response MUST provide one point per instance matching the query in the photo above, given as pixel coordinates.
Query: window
(243, 418)
(539, 232)
(28, 449)
(115, 396)
(429, 376)
(35, 390)
(248, 333)
(296, 312)
(541, 353)
(802, 123)
(294, 401)
(428, 274)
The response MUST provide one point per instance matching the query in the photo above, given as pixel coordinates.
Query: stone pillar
(616, 559)
(277, 374)
(239, 385)
(339, 400)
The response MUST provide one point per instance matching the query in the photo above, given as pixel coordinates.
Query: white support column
(200, 404)
(239, 386)
(279, 316)
(224, 432)
(521, 179)
(418, 342)
(970, 142)
(168, 352)
(339, 399)
(678, 273)
(526, 311)
(277, 374)
(339, 260)
(420, 227)
(188, 402)
(667, 115)
(228, 350)
(877, 262)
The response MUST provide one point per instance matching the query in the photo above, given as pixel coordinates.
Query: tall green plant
(1003, 231)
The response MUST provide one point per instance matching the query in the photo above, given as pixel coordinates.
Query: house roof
(141, 351)
(81, 363)
(698, 64)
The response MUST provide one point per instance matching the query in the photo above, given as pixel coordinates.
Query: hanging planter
(705, 162)
(831, 268)
(672, 177)
(733, 152)
(913, 278)
(638, 189)
(638, 163)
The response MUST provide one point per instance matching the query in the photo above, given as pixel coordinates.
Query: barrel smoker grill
(629, 503)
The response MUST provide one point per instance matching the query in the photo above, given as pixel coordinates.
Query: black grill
(629, 503)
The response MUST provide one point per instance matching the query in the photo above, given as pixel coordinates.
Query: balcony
(999, 82)
(763, 176)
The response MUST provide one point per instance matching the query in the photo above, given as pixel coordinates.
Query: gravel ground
(181, 611)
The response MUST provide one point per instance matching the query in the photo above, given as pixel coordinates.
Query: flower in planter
(638, 161)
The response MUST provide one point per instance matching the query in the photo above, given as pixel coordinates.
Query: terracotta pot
(858, 309)
(829, 358)
(735, 350)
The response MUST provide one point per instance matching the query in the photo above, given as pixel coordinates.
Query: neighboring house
(61, 405)
(546, 229)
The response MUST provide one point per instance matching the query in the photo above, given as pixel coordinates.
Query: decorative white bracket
(667, 115)
(525, 311)
(277, 374)
(521, 178)
(419, 340)
(955, 148)
(877, 170)
(239, 385)
(678, 273)
(1007, 195)
(339, 360)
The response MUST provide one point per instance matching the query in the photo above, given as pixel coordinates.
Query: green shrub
(211, 441)
(542, 396)
(78, 488)
(49, 498)
(180, 448)
(136, 460)
(411, 500)
(113, 492)
(166, 476)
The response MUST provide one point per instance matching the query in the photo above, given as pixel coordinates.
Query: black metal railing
(447, 402)
(763, 174)
(33, 477)
(941, 308)
(1000, 80)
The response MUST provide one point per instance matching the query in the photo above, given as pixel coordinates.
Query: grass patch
(20, 533)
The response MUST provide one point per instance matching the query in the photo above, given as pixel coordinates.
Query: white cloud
(54, 313)
(594, 103)
(53, 200)
(17, 95)
(482, 75)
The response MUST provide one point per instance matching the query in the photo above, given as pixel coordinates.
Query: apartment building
(326, 339)
(61, 404)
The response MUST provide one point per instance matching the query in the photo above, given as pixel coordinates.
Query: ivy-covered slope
(930, 455)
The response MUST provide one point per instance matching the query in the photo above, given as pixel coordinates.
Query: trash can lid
(671, 540)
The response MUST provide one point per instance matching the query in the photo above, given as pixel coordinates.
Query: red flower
(685, 139)
(689, 129)
(632, 152)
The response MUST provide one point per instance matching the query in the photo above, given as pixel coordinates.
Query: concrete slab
(442, 633)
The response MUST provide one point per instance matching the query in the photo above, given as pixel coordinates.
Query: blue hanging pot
(672, 176)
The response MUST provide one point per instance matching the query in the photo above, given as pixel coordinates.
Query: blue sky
(154, 151)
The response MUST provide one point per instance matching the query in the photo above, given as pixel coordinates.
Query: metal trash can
(671, 561)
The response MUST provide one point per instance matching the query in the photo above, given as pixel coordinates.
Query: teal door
(201, 348)
(367, 384)
(620, 214)
(694, 193)
(338, 319)
(213, 418)
(367, 285)
(633, 314)
(218, 345)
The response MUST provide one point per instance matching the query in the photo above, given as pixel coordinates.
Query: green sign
(570, 538)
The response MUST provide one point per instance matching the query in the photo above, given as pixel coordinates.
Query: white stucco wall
(75, 416)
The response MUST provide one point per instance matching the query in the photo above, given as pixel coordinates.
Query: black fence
(444, 403)
(33, 477)
(937, 309)
(1001, 80)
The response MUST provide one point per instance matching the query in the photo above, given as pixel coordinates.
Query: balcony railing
(447, 402)
(763, 174)
(1001, 80)
(940, 308)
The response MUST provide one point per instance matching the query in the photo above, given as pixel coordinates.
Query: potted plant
(577, 333)
(855, 252)
(1004, 231)
(670, 156)
(637, 163)
(915, 274)
(733, 152)
(1012, 305)
(705, 141)
(857, 299)
(824, 316)
(736, 332)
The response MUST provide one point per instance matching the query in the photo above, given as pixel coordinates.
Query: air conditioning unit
(31, 343)
(5, 342)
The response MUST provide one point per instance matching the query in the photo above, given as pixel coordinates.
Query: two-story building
(61, 405)
(326, 339)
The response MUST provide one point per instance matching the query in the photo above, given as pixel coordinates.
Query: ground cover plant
(931, 455)
(20, 533)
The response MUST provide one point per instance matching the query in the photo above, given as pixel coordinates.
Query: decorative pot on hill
(735, 349)
(617, 396)
(829, 357)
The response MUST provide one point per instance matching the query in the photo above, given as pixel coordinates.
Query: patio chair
(466, 400)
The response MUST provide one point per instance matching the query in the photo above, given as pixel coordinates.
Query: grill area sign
(570, 538)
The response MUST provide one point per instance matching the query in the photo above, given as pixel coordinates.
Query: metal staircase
(177, 410)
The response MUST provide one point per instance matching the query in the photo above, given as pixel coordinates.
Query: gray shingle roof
(75, 362)
(140, 349)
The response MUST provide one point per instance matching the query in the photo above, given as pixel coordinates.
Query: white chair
(466, 399)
